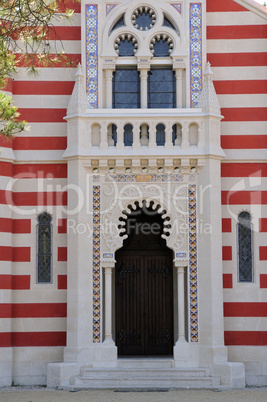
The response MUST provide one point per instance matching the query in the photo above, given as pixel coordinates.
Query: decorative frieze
(96, 266)
(195, 13)
(92, 55)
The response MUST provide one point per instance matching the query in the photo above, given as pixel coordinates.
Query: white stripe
(41, 101)
(246, 154)
(234, 18)
(251, 100)
(236, 46)
(45, 130)
(46, 74)
(41, 156)
(239, 73)
(34, 296)
(243, 128)
(245, 323)
(40, 184)
(243, 184)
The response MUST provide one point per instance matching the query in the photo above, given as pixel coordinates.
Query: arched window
(244, 233)
(44, 248)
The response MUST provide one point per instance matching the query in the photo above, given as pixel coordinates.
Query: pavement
(42, 394)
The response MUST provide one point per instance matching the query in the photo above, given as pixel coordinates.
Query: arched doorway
(144, 288)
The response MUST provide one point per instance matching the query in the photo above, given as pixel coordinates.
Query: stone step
(144, 378)
(146, 363)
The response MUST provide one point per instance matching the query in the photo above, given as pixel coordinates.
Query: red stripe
(263, 253)
(8, 225)
(43, 115)
(15, 254)
(245, 114)
(40, 143)
(225, 5)
(263, 224)
(70, 4)
(6, 197)
(241, 87)
(33, 310)
(5, 142)
(226, 225)
(21, 254)
(245, 338)
(6, 169)
(227, 281)
(21, 282)
(227, 253)
(245, 309)
(244, 169)
(244, 197)
(237, 32)
(62, 281)
(237, 59)
(21, 226)
(75, 59)
(43, 87)
(45, 198)
(263, 281)
(5, 339)
(244, 142)
(51, 170)
(62, 254)
(65, 33)
(9, 85)
(22, 339)
(62, 226)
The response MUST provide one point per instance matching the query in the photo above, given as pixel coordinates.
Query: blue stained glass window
(160, 134)
(44, 255)
(244, 247)
(126, 89)
(126, 48)
(161, 48)
(168, 23)
(161, 89)
(128, 135)
(119, 23)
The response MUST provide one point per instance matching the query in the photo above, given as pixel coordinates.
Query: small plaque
(108, 255)
(144, 178)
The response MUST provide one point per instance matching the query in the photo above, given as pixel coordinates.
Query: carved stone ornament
(78, 101)
(208, 100)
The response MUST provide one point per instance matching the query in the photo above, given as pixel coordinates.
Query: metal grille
(126, 89)
(244, 247)
(161, 48)
(44, 248)
(161, 89)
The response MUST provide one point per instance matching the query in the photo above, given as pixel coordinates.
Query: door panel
(144, 302)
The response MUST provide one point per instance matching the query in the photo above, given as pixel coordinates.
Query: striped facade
(34, 178)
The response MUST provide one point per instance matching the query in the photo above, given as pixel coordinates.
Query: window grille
(168, 23)
(118, 24)
(126, 89)
(44, 256)
(161, 89)
(245, 272)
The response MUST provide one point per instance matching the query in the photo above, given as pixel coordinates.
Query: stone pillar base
(185, 354)
(232, 375)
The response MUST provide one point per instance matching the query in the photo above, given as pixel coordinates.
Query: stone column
(108, 304)
(104, 135)
(179, 87)
(143, 78)
(181, 304)
(108, 78)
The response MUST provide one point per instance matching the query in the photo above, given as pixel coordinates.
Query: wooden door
(144, 298)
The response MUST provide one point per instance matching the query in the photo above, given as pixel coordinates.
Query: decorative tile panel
(92, 55)
(178, 7)
(126, 178)
(96, 265)
(109, 7)
(195, 53)
(193, 263)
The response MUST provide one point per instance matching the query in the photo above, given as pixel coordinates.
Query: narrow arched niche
(95, 134)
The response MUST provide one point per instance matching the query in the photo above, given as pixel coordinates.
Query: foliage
(27, 36)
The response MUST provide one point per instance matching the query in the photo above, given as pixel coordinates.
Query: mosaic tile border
(178, 7)
(195, 53)
(193, 263)
(92, 55)
(124, 178)
(96, 266)
(109, 7)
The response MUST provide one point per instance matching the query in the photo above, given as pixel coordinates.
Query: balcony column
(181, 304)
(152, 136)
(120, 136)
(104, 135)
(136, 136)
(168, 136)
(179, 87)
(108, 304)
(143, 79)
(108, 79)
(185, 136)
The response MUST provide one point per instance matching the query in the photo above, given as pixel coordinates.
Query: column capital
(178, 63)
(109, 74)
(143, 63)
(108, 265)
(109, 63)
